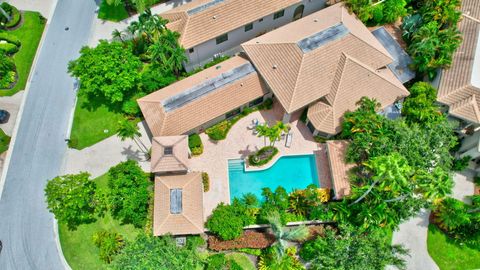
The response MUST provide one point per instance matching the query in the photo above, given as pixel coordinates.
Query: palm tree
(118, 35)
(129, 130)
(282, 235)
(263, 131)
(452, 214)
(139, 4)
(177, 58)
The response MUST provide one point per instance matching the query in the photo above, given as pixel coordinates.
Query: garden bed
(263, 156)
(15, 16)
(249, 239)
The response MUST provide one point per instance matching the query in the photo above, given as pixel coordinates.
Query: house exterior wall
(204, 53)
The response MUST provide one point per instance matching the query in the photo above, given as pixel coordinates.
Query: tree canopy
(129, 193)
(71, 198)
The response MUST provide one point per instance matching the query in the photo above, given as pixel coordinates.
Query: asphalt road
(26, 226)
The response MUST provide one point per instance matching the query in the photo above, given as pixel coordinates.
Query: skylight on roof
(207, 86)
(176, 201)
(203, 7)
(323, 37)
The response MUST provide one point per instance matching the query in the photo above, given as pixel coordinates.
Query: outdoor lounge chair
(288, 141)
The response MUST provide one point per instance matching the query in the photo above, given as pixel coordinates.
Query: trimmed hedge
(206, 182)
(10, 38)
(263, 156)
(13, 12)
(8, 48)
(195, 144)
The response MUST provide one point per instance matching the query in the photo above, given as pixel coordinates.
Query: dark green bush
(263, 156)
(14, 14)
(461, 164)
(227, 221)
(216, 261)
(10, 38)
(476, 180)
(266, 105)
(219, 131)
(206, 182)
(8, 48)
(109, 243)
(195, 144)
(153, 79)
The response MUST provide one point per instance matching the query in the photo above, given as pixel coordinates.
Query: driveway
(26, 227)
(412, 234)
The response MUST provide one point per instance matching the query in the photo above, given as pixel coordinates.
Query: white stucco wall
(205, 52)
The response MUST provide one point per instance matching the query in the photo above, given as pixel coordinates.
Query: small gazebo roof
(170, 154)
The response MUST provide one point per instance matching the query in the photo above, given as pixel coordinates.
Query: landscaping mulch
(249, 239)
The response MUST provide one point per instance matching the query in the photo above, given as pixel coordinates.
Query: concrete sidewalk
(103, 29)
(98, 158)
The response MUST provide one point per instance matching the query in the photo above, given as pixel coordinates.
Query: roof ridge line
(475, 107)
(368, 44)
(297, 79)
(340, 68)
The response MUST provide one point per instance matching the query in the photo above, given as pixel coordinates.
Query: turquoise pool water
(290, 172)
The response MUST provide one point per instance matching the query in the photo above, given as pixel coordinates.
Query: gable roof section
(299, 61)
(217, 90)
(336, 151)
(458, 84)
(203, 20)
(189, 220)
(352, 81)
(177, 161)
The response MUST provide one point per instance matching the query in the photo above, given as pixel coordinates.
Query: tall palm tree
(263, 131)
(282, 235)
(118, 35)
(129, 130)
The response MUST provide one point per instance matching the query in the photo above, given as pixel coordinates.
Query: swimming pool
(290, 172)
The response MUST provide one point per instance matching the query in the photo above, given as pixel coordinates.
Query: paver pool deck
(240, 143)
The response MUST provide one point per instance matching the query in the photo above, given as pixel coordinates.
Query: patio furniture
(253, 125)
(288, 141)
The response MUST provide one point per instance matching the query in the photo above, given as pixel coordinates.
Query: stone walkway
(98, 158)
(103, 29)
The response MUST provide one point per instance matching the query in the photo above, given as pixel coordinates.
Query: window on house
(248, 27)
(255, 102)
(233, 113)
(261, 20)
(191, 50)
(222, 38)
(168, 151)
(278, 14)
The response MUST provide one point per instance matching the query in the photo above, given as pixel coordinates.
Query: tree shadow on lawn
(92, 103)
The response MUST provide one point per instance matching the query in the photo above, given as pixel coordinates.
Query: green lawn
(78, 247)
(4, 141)
(242, 260)
(29, 34)
(112, 13)
(450, 255)
(89, 125)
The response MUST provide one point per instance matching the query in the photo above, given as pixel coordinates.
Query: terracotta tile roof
(336, 151)
(165, 116)
(456, 83)
(176, 161)
(190, 220)
(352, 81)
(300, 61)
(220, 18)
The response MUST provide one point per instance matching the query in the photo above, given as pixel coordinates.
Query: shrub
(14, 14)
(219, 131)
(387, 12)
(266, 105)
(6, 36)
(195, 241)
(263, 156)
(476, 180)
(206, 182)
(215, 61)
(249, 239)
(195, 144)
(461, 164)
(226, 221)
(153, 79)
(109, 243)
(251, 251)
(8, 48)
(216, 261)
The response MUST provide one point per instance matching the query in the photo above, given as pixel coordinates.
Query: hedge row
(8, 48)
(13, 12)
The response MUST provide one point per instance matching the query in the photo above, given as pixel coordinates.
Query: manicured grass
(89, 125)
(450, 255)
(78, 247)
(29, 34)
(242, 260)
(4, 141)
(112, 13)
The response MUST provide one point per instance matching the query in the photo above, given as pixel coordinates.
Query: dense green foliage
(262, 156)
(27, 35)
(432, 35)
(71, 198)
(129, 193)
(273, 133)
(148, 252)
(420, 106)
(269, 260)
(348, 249)
(111, 12)
(108, 71)
(4, 141)
(227, 221)
(402, 166)
(195, 144)
(13, 16)
(7, 70)
(371, 13)
(109, 244)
